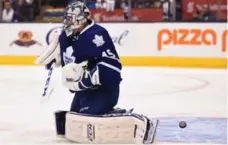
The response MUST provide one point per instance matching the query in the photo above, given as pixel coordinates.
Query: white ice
(156, 92)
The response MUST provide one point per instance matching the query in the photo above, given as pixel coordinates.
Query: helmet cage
(75, 16)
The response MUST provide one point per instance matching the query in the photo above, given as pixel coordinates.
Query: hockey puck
(182, 124)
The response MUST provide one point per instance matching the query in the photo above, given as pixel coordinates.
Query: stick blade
(47, 96)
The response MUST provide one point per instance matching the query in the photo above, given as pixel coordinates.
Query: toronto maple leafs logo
(98, 40)
(67, 56)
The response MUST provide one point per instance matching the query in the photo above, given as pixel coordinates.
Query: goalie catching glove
(76, 78)
(51, 54)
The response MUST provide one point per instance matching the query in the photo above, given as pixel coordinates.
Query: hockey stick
(48, 89)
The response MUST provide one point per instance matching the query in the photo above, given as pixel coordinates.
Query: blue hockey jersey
(95, 45)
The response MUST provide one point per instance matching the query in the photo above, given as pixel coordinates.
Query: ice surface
(155, 92)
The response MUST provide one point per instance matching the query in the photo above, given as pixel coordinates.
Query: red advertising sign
(218, 7)
(144, 15)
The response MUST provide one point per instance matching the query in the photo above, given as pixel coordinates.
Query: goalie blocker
(117, 127)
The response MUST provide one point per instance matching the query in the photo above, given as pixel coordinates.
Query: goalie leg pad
(111, 128)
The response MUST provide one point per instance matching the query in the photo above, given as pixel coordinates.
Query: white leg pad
(116, 129)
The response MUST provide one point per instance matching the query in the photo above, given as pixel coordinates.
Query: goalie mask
(76, 14)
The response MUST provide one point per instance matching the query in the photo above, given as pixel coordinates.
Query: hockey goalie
(91, 69)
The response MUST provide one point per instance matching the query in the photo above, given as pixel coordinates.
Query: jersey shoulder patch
(99, 35)
(98, 40)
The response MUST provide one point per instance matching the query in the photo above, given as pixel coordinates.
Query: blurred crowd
(110, 5)
(37, 10)
(203, 14)
(18, 10)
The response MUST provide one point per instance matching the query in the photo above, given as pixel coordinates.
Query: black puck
(182, 124)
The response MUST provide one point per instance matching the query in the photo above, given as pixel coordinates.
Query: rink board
(138, 61)
(138, 44)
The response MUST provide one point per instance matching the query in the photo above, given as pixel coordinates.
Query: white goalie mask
(76, 14)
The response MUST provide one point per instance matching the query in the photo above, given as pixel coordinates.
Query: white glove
(52, 52)
(72, 73)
